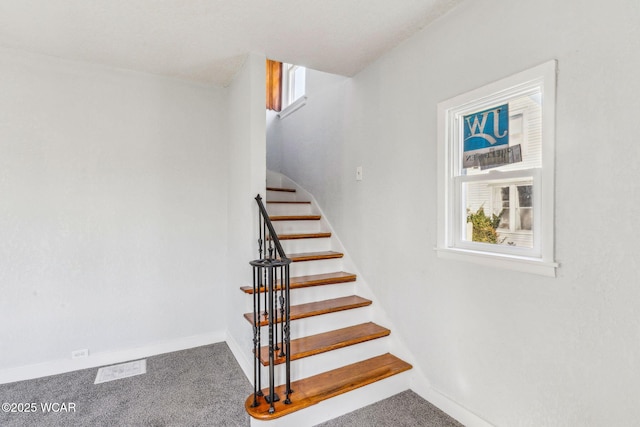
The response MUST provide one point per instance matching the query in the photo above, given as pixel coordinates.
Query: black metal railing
(271, 282)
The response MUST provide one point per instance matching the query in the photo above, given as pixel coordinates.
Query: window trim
(542, 261)
(288, 84)
(297, 104)
(533, 175)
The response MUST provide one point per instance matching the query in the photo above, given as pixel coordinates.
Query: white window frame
(288, 88)
(451, 225)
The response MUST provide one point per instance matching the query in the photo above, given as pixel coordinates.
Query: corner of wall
(247, 177)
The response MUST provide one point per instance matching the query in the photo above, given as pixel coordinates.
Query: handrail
(270, 276)
(269, 225)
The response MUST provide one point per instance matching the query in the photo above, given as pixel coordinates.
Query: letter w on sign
(486, 129)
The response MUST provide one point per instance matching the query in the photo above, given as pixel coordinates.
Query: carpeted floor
(203, 386)
(405, 409)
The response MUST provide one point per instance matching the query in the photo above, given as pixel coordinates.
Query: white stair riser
(307, 295)
(274, 179)
(329, 322)
(319, 363)
(324, 292)
(283, 196)
(310, 294)
(306, 245)
(319, 324)
(288, 209)
(342, 404)
(305, 268)
(316, 364)
(295, 227)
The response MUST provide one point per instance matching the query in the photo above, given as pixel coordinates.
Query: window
(295, 82)
(496, 166)
(293, 88)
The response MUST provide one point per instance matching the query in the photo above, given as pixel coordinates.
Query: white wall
(113, 215)
(514, 348)
(246, 165)
(274, 146)
(308, 143)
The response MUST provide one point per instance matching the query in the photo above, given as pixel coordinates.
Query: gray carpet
(203, 386)
(405, 409)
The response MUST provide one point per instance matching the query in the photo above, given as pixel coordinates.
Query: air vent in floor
(122, 370)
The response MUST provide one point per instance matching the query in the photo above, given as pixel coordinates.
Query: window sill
(297, 104)
(508, 262)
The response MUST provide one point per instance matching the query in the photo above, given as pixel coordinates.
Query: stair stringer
(413, 379)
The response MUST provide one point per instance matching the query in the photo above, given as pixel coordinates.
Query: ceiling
(208, 40)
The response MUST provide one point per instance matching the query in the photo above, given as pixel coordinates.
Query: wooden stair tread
(287, 190)
(311, 280)
(295, 217)
(314, 256)
(322, 279)
(315, 389)
(304, 236)
(327, 341)
(288, 202)
(317, 308)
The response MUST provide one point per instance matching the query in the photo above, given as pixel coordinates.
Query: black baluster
(287, 332)
(273, 397)
(256, 368)
(282, 313)
(266, 312)
(275, 306)
(257, 323)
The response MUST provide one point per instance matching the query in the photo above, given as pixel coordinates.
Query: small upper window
(285, 87)
(294, 83)
(496, 172)
(293, 88)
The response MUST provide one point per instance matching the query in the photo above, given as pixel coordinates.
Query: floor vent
(123, 370)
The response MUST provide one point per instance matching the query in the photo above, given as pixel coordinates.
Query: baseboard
(242, 357)
(94, 360)
(447, 405)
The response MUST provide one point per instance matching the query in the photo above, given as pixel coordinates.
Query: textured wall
(112, 208)
(514, 348)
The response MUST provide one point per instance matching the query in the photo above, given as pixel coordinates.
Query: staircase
(335, 348)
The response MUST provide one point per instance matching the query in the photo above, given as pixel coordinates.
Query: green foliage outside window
(484, 227)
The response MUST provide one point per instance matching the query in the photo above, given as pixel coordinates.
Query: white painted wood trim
(296, 105)
(60, 366)
(242, 356)
(449, 406)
